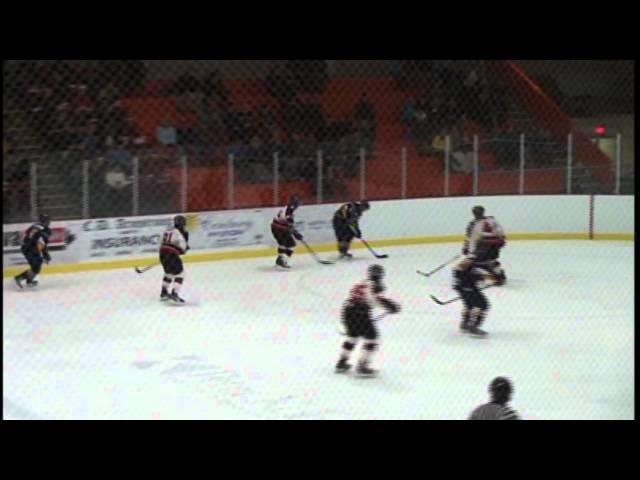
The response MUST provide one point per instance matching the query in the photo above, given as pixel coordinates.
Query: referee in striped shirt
(500, 391)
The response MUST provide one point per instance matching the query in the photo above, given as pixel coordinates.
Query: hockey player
(175, 242)
(500, 391)
(356, 317)
(34, 249)
(466, 277)
(284, 231)
(484, 239)
(345, 225)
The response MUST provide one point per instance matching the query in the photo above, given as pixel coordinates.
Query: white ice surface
(261, 344)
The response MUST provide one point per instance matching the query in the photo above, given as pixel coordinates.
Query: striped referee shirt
(494, 411)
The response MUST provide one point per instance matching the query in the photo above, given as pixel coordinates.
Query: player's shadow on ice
(457, 338)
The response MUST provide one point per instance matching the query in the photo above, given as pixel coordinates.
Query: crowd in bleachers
(460, 102)
(76, 106)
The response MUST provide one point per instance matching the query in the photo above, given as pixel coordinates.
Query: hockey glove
(391, 306)
(297, 235)
(46, 257)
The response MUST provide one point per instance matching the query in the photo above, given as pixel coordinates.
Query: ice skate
(477, 332)
(281, 262)
(18, 280)
(174, 297)
(364, 370)
(342, 366)
(165, 295)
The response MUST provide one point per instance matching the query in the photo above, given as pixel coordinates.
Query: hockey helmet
(500, 389)
(478, 211)
(44, 219)
(180, 221)
(375, 272)
(294, 201)
(363, 205)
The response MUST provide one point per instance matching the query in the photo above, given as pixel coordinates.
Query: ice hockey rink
(256, 343)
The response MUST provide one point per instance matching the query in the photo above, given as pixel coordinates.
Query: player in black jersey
(500, 391)
(356, 317)
(175, 242)
(284, 231)
(466, 278)
(34, 249)
(346, 225)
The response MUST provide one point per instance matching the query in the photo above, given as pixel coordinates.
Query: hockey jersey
(493, 411)
(368, 294)
(36, 239)
(350, 214)
(482, 233)
(284, 219)
(175, 240)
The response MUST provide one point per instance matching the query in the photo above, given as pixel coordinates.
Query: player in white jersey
(356, 317)
(175, 242)
(498, 408)
(284, 231)
(483, 241)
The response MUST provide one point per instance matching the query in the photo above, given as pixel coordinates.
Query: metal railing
(148, 182)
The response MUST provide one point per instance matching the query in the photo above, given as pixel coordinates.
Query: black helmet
(500, 390)
(363, 205)
(375, 272)
(478, 211)
(44, 219)
(180, 221)
(294, 201)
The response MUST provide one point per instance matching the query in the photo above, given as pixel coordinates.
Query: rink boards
(101, 244)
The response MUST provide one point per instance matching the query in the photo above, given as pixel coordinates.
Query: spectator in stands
(461, 149)
(266, 123)
(309, 75)
(213, 87)
(211, 130)
(409, 117)
(423, 127)
(280, 83)
(126, 75)
(259, 160)
(292, 117)
(166, 133)
(107, 96)
(365, 117)
(115, 127)
(438, 147)
(506, 148)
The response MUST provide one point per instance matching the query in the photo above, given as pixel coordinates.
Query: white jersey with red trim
(485, 231)
(174, 241)
(284, 219)
(367, 293)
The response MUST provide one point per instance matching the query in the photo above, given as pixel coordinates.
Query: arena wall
(100, 244)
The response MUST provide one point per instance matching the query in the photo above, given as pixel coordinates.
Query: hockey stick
(314, 255)
(142, 270)
(377, 255)
(440, 302)
(438, 268)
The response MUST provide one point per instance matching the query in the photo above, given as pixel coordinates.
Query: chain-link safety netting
(93, 141)
(123, 135)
